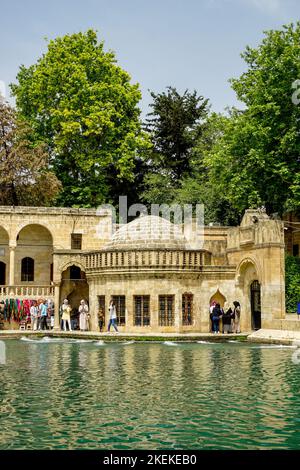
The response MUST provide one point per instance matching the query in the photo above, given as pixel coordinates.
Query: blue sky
(194, 44)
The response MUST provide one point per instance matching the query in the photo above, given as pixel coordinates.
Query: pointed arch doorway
(255, 296)
(74, 287)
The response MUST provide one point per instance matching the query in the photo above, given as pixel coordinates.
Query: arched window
(27, 269)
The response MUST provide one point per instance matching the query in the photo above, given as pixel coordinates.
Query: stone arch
(218, 297)
(248, 267)
(73, 289)
(34, 241)
(4, 236)
(248, 271)
(67, 265)
(37, 233)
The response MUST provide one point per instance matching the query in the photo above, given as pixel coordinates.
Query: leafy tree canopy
(25, 177)
(174, 126)
(83, 105)
(292, 283)
(256, 160)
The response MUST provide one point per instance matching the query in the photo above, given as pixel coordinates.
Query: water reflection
(76, 396)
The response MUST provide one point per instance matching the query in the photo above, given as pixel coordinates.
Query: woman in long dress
(236, 317)
(83, 316)
(66, 315)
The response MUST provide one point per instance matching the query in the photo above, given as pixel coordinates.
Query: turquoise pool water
(65, 394)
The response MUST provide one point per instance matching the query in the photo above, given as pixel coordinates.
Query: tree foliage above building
(83, 105)
(25, 176)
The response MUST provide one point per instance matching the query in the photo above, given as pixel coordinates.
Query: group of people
(84, 316)
(230, 317)
(40, 311)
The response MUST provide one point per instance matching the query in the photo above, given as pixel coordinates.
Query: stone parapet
(150, 259)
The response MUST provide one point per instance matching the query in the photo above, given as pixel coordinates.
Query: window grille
(76, 241)
(166, 310)
(142, 310)
(119, 301)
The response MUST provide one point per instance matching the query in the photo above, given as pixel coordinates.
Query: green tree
(292, 283)
(83, 105)
(25, 177)
(256, 159)
(200, 186)
(174, 126)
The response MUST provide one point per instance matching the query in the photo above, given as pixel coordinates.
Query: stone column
(12, 251)
(129, 311)
(56, 307)
(178, 312)
(93, 306)
(154, 311)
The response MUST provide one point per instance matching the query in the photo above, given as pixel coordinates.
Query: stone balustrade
(147, 259)
(27, 291)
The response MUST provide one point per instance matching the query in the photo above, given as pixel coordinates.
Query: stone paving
(275, 336)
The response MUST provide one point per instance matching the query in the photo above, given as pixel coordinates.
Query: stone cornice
(71, 211)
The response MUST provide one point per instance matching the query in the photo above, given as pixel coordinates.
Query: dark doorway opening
(255, 305)
(2, 273)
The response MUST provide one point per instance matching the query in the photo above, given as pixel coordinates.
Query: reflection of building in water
(271, 395)
(161, 277)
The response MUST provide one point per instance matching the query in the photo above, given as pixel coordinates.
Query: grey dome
(148, 232)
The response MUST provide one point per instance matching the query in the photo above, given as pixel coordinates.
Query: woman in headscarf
(227, 318)
(83, 316)
(66, 315)
(216, 316)
(211, 308)
(236, 317)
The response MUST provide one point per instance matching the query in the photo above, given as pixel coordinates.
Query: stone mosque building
(160, 282)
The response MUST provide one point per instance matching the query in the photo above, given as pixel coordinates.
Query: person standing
(112, 316)
(83, 316)
(66, 315)
(34, 315)
(211, 308)
(43, 315)
(227, 318)
(236, 317)
(216, 315)
(50, 304)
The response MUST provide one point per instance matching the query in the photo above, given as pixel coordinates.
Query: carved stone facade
(159, 279)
